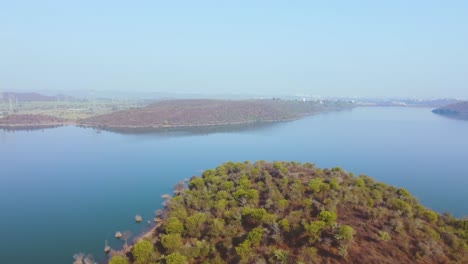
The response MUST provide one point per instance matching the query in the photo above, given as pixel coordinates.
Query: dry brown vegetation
(204, 112)
(18, 120)
(287, 212)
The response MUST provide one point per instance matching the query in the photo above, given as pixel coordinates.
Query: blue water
(68, 189)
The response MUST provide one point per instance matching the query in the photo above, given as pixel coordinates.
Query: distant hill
(207, 112)
(30, 97)
(292, 213)
(457, 110)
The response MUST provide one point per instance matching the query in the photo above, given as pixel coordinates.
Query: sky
(330, 48)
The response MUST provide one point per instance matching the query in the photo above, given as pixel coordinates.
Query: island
(211, 112)
(456, 110)
(288, 212)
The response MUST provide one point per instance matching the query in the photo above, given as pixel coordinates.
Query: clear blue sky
(332, 48)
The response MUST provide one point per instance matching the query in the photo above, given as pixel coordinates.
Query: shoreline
(145, 234)
(79, 123)
(84, 125)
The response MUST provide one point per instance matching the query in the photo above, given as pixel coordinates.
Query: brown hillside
(30, 120)
(204, 112)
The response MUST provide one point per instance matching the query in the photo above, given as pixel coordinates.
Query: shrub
(346, 232)
(327, 217)
(403, 192)
(314, 229)
(430, 216)
(343, 251)
(308, 255)
(401, 205)
(383, 236)
(315, 184)
(359, 182)
(334, 184)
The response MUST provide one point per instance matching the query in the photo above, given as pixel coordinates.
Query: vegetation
(204, 112)
(296, 213)
(19, 111)
(25, 121)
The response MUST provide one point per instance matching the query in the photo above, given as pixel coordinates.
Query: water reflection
(187, 131)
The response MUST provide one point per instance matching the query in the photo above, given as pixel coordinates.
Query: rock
(138, 218)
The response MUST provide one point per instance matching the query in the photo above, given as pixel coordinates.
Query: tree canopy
(287, 212)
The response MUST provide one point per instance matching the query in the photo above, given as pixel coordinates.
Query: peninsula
(208, 112)
(288, 212)
(457, 110)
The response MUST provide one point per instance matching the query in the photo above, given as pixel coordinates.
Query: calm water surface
(67, 190)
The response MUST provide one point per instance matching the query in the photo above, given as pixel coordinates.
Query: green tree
(244, 183)
(197, 183)
(255, 236)
(176, 258)
(284, 225)
(142, 252)
(174, 226)
(254, 215)
(194, 224)
(171, 242)
(244, 250)
(227, 185)
(281, 255)
(217, 227)
(118, 260)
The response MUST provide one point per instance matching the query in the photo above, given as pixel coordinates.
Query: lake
(67, 190)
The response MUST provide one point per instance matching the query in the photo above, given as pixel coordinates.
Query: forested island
(457, 110)
(287, 212)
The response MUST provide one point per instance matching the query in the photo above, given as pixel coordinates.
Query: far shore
(79, 123)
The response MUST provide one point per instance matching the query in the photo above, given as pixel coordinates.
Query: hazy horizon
(411, 49)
